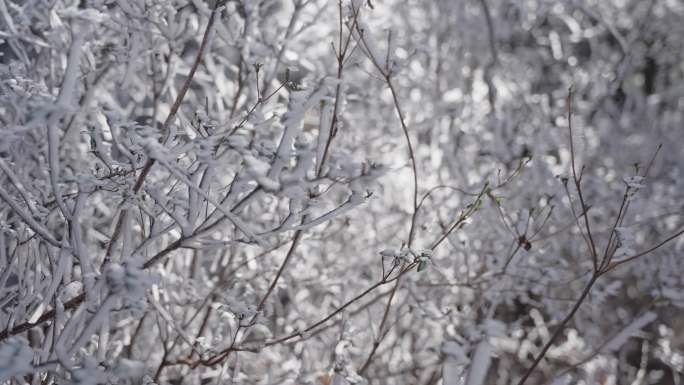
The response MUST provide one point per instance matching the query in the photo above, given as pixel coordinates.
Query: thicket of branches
(317, 192)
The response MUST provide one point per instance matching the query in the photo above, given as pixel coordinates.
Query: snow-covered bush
(332, 192)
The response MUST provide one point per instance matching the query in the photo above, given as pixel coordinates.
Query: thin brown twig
(387, 75)
(559, 328)
(341, 57)
(378, 340)
(295, 241)
(660, 244)
(461, 218)
(578, 181)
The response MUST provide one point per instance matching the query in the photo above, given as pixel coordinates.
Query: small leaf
(422, 265)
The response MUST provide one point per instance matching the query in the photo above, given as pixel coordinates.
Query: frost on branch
(634, 184)
(258, 170)
(344, 366)
(130, 370)
(454, 363)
